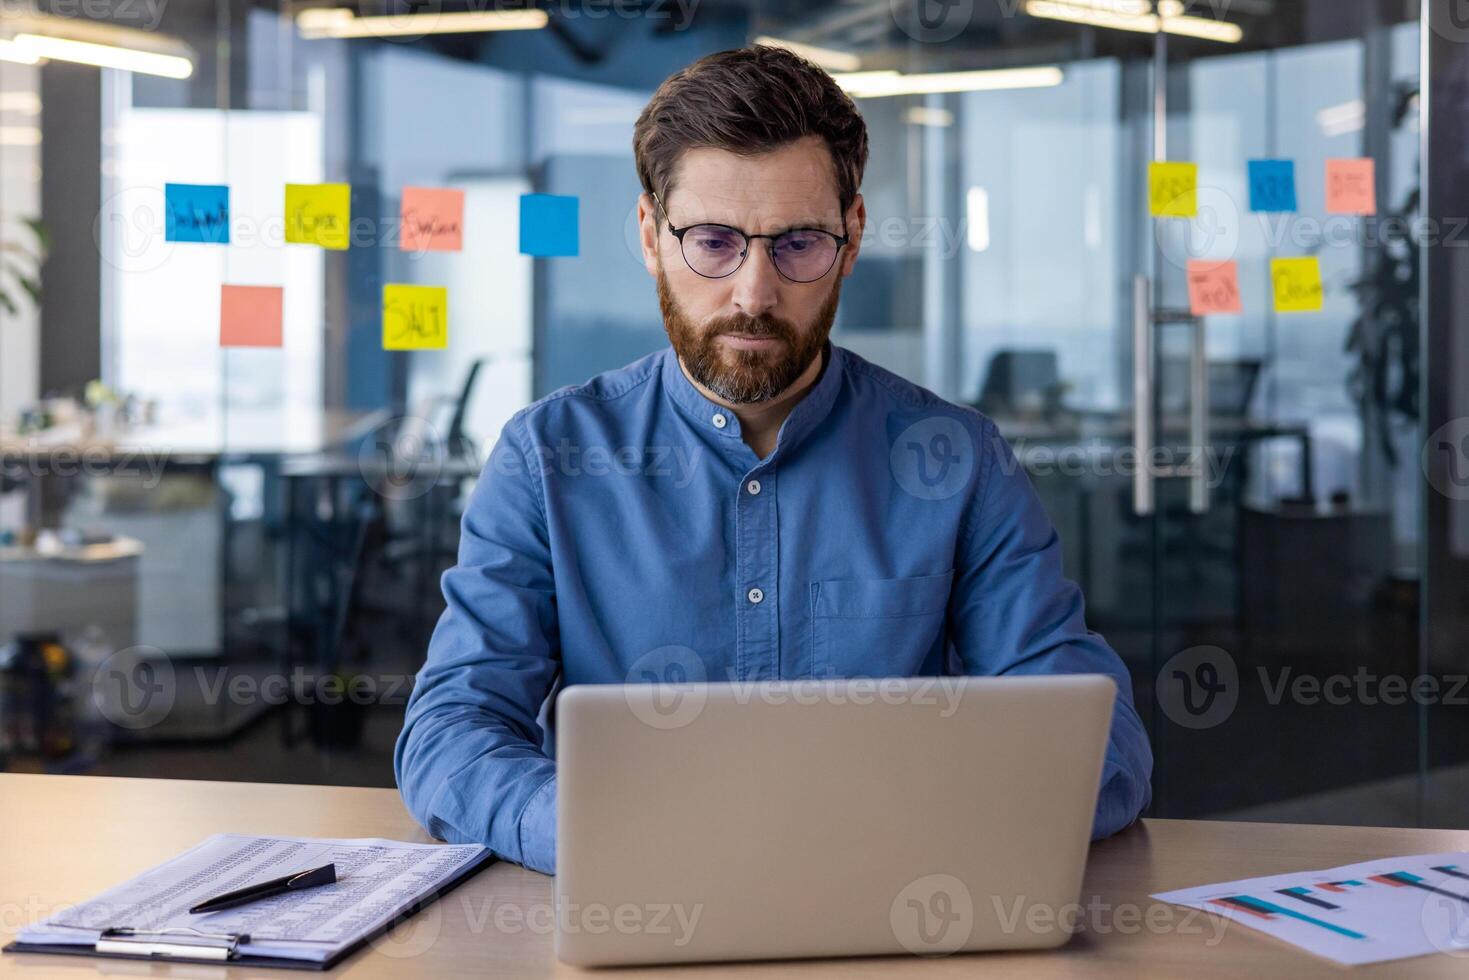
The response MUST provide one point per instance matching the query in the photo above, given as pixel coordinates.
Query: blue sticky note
(1272, 185)
(197, 213)
(548, 225)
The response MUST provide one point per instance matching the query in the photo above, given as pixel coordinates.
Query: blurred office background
(253, 538)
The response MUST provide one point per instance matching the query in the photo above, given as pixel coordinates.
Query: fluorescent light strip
(875, 85)
(829, 58)
(339, 22)
(104, 55)
(1124, 15)
(922, 115)
(20, 135)
(21, 102)
(10, 51)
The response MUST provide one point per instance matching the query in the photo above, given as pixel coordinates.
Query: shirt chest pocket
(878, 627)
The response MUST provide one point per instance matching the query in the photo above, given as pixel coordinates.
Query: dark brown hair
(748, 101)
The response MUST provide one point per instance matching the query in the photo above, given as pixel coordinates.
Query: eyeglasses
(715, 251)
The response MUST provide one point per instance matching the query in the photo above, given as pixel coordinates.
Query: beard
(744, 377)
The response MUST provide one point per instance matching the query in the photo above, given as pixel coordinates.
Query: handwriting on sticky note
(1213, 287)
(196, 213)
(1297, 283)
(1272, 185)
(415, 317)
(250, 316)
(433, 219)
(1173, 190)
(319, 214)
(548, 225)
(1351, 186)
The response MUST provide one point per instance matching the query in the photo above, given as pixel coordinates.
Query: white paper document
(376, 881)
(1388, 909)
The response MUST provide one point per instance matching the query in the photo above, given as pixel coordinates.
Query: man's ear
(856, 219)
(648, 233)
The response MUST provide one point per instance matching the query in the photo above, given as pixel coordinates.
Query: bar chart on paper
(1387, 909)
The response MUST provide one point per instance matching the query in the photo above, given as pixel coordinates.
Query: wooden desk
(66, 838)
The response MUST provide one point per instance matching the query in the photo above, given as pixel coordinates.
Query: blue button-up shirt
(623, 531)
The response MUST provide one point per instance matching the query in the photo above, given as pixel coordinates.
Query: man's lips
(744, 341)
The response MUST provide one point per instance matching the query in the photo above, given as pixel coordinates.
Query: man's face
(748, 336)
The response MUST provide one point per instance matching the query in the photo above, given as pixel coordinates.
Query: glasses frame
(678, 233)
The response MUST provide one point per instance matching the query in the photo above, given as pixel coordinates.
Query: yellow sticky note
(1298, 287)
(319, 214)
(415, 317)
(1173, 190)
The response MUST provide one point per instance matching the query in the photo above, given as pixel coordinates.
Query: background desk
(66, 838)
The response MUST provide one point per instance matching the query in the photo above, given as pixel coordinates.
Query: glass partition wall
(221, 558)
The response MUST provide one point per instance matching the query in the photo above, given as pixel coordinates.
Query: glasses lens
(805, 256)
(713, 250)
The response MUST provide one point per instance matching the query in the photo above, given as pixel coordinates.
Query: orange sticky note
(250, 316)
(433, 220)
(1213, 287)
(1351, 186)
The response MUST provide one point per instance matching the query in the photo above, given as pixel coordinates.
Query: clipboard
(222, 948)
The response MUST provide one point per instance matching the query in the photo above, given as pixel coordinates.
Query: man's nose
(757, 283)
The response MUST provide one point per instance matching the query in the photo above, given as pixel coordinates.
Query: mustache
(753, 326)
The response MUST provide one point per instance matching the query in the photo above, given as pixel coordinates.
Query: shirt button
(719, 420)
(755, 596)
(753, 486)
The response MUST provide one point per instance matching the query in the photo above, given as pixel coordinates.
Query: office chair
(1021, 382)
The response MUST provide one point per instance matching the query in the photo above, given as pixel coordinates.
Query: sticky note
(1173, 190)
(196, 213)
(433, 219)
(1213, 287)
(548, 225)
(1351, 186)
(250, 316)
(1297, 283)
(319, 214)
(415, 317)
(1272, 185)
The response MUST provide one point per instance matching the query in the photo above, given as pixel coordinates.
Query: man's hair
(748, 101)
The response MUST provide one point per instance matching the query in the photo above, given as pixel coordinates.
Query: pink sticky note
(1351, 186)
(433, 219)
(1213, 287)
(250, 316)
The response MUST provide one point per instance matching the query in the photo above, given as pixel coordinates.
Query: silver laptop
(823, 818)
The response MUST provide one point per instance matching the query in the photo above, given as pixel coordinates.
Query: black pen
(324, 875)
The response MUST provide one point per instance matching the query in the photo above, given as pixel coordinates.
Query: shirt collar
(720, 421)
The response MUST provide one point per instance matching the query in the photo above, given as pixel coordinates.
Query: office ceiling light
(105, 55)
(20, 135)
(10, 51)
(922, 115)
(1137, 15)
(320, 23)
(880, 84)
(22, 102)
(829, 58)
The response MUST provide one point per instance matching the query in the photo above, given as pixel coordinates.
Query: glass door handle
(1143, 497)
(1198, 422)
